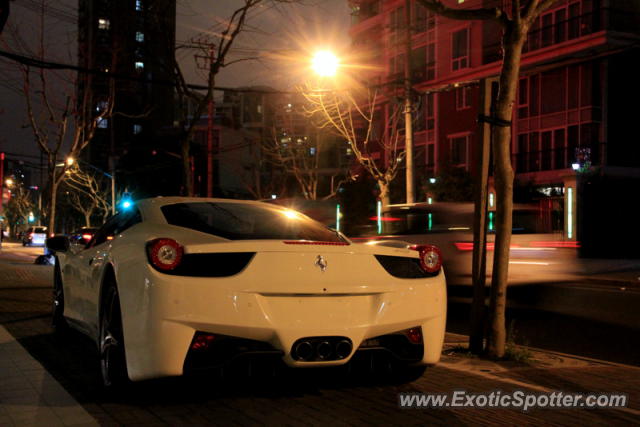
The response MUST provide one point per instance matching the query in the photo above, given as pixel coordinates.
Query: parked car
(34, 236)
(179, 285)
(82, 236)
(537, 252)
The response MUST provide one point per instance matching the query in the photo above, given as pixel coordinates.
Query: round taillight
(430, 257)
(165, 254)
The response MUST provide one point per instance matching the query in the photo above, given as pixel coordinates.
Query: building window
(431, 155)
(523, 153)
(139, 36)
(139, 65)
(419, 17)
(565, 23)
(139, 5)
(424, 115)
(458, 150)
(431, 61)
(523, 98)
(103, 24)
(574, 20)
(397, 25)
(137, 129)
(422, 18)
(463, 97)
(460, 49)
(553, 87)
(103, 123)
(396, 67)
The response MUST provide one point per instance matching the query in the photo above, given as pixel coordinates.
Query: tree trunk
(384, 194)
(513, 40)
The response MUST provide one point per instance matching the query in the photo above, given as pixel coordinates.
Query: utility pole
(408, 107)
(479, 256)
(210, 114)
(207, 64)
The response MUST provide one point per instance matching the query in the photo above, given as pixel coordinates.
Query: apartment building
(574, 148)
(132, 42)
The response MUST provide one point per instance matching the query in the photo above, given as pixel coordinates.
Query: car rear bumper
(167, 311)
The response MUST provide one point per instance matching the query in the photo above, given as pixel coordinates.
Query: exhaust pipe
(310, 349)
(324, 350)
(304, 350)
(343, 349)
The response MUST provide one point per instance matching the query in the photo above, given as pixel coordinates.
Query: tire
(58, 322)
(113, 365)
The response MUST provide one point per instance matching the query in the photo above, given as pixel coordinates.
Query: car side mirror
(57, 244)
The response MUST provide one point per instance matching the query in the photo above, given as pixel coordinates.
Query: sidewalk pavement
(29, 395)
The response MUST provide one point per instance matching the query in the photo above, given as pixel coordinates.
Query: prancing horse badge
(321, 262)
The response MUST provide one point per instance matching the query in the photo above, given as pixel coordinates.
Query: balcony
(555, 28)
(554, 159)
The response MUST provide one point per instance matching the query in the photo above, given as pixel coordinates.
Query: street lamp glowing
(70, 161)
(9, 182)
(325, 63)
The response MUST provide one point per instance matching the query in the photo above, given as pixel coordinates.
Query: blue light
(126, 203)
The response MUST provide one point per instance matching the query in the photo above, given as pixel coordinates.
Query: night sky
(279, 34)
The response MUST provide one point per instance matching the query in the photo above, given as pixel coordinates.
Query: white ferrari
(179, 285)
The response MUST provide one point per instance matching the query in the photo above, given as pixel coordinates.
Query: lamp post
(111, 176)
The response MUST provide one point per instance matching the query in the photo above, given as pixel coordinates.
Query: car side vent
(403, 267)
(221, 264)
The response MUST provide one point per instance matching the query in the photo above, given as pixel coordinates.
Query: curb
(465, 338)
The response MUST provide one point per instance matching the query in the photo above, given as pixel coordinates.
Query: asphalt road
(582, 318)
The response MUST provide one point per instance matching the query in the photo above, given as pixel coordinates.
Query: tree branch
(494, 14)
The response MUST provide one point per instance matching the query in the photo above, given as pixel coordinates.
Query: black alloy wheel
(112, 354)
(58, 322)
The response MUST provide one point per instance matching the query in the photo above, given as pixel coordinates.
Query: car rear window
(40, 230)
(244, 221)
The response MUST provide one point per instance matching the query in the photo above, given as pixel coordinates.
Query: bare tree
(72, 121)
(355, 117)
(216, 52)
(258, 176)
(90, 195)
(515, 24)
(63, 123)
(302, 159)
